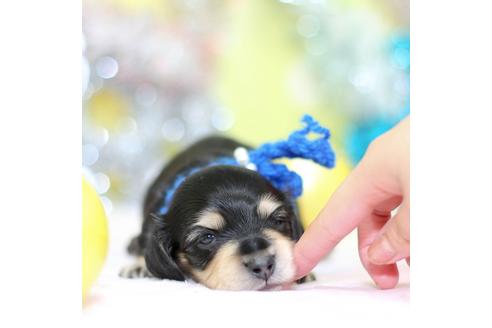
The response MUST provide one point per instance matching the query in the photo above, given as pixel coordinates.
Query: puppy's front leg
(136, 270)
(309, 278)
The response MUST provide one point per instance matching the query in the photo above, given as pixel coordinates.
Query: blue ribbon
(297, 145)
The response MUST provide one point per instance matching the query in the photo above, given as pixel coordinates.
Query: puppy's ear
(297, 229)
(158, 254)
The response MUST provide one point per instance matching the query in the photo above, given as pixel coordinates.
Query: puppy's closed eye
(280, 222)
(280, 219)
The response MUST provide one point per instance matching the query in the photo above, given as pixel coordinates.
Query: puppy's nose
(262, 266)
(253, 244)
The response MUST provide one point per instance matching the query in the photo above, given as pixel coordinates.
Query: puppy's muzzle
(257, 258)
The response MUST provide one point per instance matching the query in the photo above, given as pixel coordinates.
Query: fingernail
(381, 252)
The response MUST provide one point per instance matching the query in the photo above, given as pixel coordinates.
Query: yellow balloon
(94, 237)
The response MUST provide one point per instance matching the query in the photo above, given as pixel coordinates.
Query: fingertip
(384, 276)
(302, 265)
(388, 280)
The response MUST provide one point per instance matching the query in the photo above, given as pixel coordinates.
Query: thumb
(394, 242)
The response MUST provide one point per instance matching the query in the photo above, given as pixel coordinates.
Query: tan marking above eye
(211, 220)
(267, 205)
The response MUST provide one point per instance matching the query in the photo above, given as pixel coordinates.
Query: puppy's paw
(309, 278)
(137, 270)
(134, 247)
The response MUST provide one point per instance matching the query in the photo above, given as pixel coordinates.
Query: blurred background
(160, 74)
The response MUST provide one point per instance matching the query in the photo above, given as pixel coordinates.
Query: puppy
(225, 227)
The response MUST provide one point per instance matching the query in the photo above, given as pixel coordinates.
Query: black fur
(232, 191)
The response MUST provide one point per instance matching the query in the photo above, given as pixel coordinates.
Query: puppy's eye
(278, 222)
(207, 239)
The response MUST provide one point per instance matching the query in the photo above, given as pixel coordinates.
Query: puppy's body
(226, 226)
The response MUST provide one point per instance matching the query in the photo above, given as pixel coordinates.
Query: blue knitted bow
(297, 145)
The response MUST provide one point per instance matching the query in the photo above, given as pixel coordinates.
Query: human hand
(377, 185)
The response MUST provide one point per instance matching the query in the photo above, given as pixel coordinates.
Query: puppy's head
(226, 228)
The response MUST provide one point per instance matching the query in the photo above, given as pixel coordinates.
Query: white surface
(343, 292)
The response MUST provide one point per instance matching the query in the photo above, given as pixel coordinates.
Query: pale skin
(379, 184)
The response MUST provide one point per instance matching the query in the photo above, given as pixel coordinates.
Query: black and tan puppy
(226, 227)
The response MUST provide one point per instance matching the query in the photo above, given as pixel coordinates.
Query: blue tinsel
(298, 145)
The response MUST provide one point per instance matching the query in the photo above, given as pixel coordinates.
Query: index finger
(353, 201)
